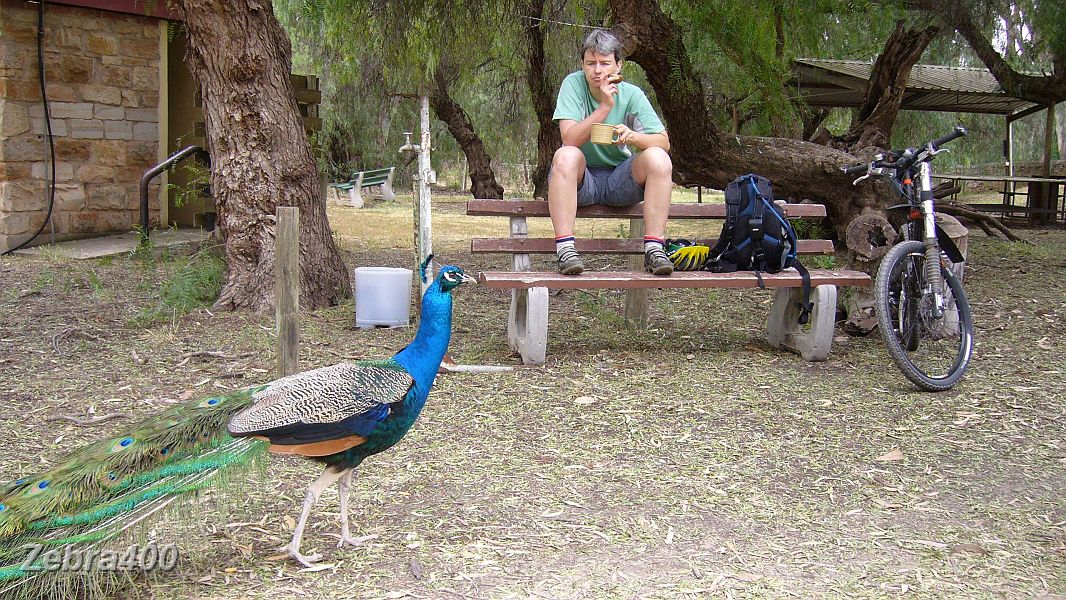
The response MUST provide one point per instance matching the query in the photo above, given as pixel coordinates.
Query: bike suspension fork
(934, 279)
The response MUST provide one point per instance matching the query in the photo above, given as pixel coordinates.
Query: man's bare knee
(568, 161)
(658, 163)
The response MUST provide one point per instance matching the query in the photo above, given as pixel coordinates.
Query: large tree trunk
(702, 156)
(540, 90)
(482, 180)
(872, 125)
(260, 156)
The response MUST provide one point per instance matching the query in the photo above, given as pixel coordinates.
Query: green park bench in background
(350, 193)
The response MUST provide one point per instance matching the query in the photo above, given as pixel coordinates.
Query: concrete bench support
(812, 341)
(527, 324)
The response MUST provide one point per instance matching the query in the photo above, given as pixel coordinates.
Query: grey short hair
(602, 41)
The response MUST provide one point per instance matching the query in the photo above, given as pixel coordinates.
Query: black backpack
(757, 237)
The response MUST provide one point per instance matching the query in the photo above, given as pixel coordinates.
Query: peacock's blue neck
(422, 357)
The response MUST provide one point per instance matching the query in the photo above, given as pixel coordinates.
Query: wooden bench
(350, 193)
(527, 323)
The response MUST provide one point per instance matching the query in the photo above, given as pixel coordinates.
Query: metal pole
(425, 177)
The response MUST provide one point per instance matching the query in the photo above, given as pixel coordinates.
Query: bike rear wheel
(931, 352)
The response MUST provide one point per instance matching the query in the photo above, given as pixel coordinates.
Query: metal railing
(152, 173)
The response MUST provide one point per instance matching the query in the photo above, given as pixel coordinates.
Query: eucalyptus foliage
(374, 56)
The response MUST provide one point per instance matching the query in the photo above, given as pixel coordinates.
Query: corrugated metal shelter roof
(841, 83)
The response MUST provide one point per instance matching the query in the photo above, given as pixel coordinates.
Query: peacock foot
(305, 560)
(346, 538)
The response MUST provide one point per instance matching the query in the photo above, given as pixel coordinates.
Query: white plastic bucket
(382, 297)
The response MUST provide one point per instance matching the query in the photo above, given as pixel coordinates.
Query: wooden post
(323, 188)
(637, 298)
(1044, 197)
(1049, 139)
(287, 290)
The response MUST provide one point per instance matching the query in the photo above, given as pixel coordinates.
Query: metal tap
(407, 145)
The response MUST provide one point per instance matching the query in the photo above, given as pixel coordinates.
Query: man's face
(598, 66)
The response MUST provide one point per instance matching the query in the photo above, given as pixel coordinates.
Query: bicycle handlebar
(905, 158)
(940, 141)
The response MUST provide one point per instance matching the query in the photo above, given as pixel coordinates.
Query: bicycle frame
(922, 200)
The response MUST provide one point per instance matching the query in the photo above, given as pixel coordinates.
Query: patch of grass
(193, 282)
(95, 283)
(810, 229)
(818, 261)
(597, 305)
(46, 278)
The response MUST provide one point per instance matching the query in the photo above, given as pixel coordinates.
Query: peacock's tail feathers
(102, 489)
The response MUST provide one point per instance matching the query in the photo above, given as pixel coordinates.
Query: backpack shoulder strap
(805, 305)
(732, 208)
(756, 229)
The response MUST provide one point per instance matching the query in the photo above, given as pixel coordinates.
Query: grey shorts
(610, 186)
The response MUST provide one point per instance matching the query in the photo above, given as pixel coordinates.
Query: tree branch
(1043, 90)
(982, 220)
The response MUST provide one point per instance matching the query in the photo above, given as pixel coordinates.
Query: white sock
(563, 244)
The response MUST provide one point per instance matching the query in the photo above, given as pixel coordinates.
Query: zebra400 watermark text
(135, 557)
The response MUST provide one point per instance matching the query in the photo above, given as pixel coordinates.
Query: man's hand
(625, 134)
(608, 89)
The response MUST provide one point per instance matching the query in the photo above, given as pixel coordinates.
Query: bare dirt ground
(685, 461)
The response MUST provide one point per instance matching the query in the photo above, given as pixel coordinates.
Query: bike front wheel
(933, 352)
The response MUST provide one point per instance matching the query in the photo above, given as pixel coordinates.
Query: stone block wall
(102, 74)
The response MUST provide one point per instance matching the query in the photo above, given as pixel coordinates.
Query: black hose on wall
(51, 190)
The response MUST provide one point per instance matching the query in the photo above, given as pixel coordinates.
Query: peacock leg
(328, 477)
(345, 486)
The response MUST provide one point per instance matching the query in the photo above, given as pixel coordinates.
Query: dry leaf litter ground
(685, 461)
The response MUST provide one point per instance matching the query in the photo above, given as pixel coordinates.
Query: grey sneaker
(657, 262)
(570, 262)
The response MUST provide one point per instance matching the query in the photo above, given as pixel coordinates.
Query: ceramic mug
(603, 133)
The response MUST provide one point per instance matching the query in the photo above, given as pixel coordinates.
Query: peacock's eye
(38, 488)
(122, 444)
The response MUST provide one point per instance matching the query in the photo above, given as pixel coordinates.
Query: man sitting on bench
(584, 173)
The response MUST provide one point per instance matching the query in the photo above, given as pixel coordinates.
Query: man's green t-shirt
(631, 108)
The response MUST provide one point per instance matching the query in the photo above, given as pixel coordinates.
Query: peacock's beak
(468, 279)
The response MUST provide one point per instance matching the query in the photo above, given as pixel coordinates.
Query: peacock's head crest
(451, 277)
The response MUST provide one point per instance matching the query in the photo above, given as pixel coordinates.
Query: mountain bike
(922, 311)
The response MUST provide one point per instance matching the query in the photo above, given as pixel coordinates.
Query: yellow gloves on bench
(686, 255)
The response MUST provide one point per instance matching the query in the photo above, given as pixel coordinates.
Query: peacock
(337, 416)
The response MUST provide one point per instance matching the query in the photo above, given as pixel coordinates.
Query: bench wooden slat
(680, 279)
(368, 181)
(539, 208)
(372, 172)
(605, 245)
